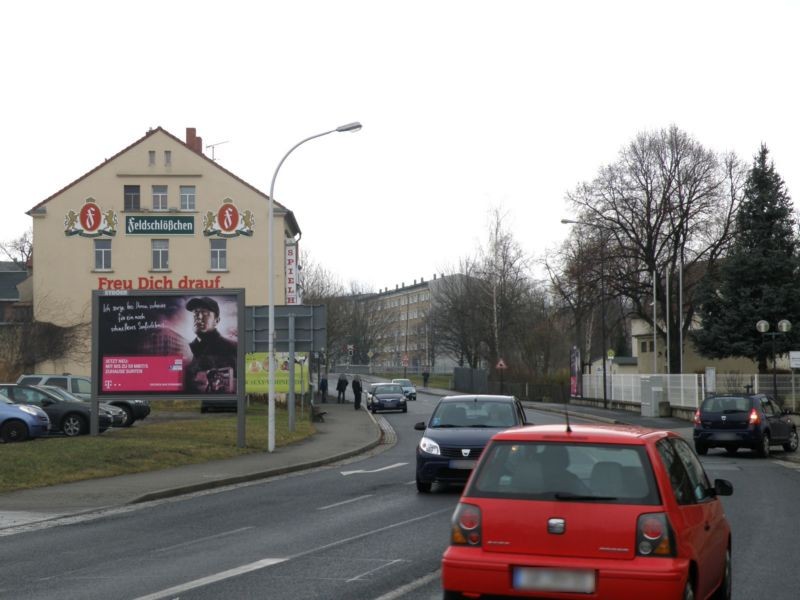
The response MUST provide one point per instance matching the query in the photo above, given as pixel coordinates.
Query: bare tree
(19, 250)
(665, 207)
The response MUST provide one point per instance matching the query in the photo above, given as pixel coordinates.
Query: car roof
(588, 434)
(478, 398)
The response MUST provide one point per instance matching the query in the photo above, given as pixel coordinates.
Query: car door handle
(707, 526)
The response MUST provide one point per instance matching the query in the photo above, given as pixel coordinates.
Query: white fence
(688, 390)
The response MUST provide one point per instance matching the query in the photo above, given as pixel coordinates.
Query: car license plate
(576, 581)
(462, 464)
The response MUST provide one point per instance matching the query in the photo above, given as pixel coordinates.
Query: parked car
(408, 388)
(70, 418)
(601, 511)
(457, 433)
(743, 421)
(81, 386)
(386, 396)
(118, 416)
(19, 422)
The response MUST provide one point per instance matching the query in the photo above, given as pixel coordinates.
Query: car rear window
(612, 473)
(726, 404)
(31, 380)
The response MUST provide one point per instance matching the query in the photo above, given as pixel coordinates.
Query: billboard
(257, 376)
(166, 343)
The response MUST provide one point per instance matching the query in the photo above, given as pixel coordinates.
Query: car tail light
(755, 418)
(654, 536)
(466, 525)
(696, 419)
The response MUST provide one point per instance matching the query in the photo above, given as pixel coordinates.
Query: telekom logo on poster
(126, 373)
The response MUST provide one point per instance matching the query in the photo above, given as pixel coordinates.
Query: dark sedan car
(70, 418)
(741, 421)
(457, 433)
(386, 396)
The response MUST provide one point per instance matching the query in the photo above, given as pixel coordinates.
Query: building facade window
(151, 158)
(160, 255)
(219, 255)
(187, 197)
(102, 255)
(167, 158)
(160, 197)
(132, 197)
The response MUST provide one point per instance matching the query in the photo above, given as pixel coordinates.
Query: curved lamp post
(355, 126)
(784, 327)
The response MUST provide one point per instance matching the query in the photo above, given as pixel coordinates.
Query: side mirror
(723, 487)
(420, 426)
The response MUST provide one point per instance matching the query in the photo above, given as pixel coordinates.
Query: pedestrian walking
(341, 386)
(323, 388)
(357, 392)
(425, 375)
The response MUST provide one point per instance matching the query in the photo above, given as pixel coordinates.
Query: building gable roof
(278, 207)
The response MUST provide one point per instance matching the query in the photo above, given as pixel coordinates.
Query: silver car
(409, 389)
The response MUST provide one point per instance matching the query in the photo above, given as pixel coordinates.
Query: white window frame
(127, 193)
(102, 255)
(188, 197)
(160, 198)
(160, 255)
(219, 255)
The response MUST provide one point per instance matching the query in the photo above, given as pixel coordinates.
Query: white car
(408, 388)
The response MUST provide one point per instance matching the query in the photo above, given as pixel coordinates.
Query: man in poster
(213, 366)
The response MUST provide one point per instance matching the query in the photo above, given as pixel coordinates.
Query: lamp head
(354, 126)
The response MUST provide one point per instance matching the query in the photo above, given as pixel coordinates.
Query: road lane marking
(190, 585)
(203, 539)
(345, 502)
(268, 562)
(378, 568)
(394, 466)
(402, 591)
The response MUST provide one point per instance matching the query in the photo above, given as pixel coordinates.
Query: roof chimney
(195, 143)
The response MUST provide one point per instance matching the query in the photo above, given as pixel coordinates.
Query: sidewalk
(345, 432)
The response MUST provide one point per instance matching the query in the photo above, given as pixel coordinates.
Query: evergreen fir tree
(758, 279)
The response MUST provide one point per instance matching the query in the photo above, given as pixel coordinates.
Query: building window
(132, 197)
(159, 197)
(219, 255)
(187, 197)
(167, 158)
(151, 158)
(102, 255)
(160, 255)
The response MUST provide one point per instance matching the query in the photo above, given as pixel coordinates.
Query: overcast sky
(466, 106)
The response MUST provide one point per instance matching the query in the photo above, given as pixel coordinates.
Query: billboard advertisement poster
(165, 343)
(257, 374)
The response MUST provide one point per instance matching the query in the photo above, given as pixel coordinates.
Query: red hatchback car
(589, 512)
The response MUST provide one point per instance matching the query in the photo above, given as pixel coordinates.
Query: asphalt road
(354, 530)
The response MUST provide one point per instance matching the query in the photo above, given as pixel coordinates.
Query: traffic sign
(501, 364)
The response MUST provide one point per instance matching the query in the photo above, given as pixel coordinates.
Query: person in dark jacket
(213, 365)
(341, 386)
(357, 391)
(323, 388)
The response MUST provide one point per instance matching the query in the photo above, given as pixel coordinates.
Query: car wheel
(423, 487)
(73, 425)
(731, 450)
(14, 431)
(405, 409)
(791, 445)
(688, 591)
(701, 449)
(725, 589)
(128, 419)
(763, 449)
(448, 595)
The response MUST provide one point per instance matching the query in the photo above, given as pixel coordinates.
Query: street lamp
(784, 327)
(355, 126)
(602, 303)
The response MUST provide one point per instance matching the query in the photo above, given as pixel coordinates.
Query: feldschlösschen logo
(228, 222)
(90, 221)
